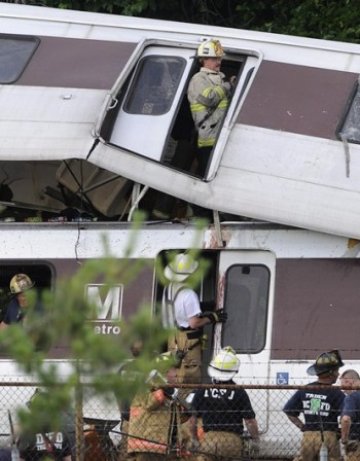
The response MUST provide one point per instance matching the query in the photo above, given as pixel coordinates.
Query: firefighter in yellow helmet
(224, 412)
(181, 309)
(14, 313)
(208, 95)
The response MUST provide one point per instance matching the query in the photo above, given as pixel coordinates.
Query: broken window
(350, 130)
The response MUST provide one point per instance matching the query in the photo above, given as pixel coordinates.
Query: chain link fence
(165, 421)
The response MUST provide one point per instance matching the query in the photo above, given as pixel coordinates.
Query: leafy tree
(94, 358)
(328, 19)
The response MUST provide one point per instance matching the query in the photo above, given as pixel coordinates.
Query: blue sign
(282, 378)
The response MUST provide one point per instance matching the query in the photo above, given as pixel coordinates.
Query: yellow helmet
(210, 49)
(20, 283)
(181, 267)
(225, 365)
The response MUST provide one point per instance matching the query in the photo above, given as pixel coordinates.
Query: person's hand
(194, 445)
(232, 80)
(351, 446)
(254, 448)
(219, 316)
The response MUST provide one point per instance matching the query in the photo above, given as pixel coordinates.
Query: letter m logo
(108, 301)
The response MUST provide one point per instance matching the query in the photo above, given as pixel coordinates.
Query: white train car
(111, 91)
(290, 294)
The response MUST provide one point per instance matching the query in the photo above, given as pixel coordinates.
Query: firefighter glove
(218, 316)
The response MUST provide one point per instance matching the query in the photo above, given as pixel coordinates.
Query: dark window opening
(246, 301)
(40, 273)
(15, 53)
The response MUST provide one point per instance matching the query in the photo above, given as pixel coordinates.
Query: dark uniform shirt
(53, 445)
(13, 313)
(223, 409)
(351, 408)
(320, 407)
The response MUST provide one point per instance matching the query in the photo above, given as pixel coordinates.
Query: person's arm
(198, 322)
(67, 458)
(252, 427)
(345, 428)
(297, 421)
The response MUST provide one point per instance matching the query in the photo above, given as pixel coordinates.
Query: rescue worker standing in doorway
(208, 94)
(321, 408)
(181, 309)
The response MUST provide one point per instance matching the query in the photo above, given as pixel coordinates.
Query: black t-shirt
(223, 409)
(320, 407)
(53, 445)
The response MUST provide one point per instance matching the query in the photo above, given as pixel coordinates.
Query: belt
(190, 333)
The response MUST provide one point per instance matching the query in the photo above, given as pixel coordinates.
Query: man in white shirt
(181, 309)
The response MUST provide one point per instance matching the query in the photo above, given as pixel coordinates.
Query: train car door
(245, 291)
(151, 101)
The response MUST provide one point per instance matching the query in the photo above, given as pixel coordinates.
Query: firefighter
(181, 309)
(15, 310)
(321, 408)
(208, 94)
(156, 417)
(223, 412)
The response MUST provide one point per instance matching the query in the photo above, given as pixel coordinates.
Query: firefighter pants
(220, 446)
(189, 371)
(311, 444)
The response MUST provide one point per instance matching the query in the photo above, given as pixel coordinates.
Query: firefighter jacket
(154, 425)
(208, 95)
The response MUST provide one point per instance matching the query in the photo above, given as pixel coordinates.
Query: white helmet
(20, 283)
(180, 267)
(225, 365)
(210, 49)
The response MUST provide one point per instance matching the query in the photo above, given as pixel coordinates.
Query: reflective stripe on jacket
(208, 95)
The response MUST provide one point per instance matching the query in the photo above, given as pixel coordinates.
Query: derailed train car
(111, 91)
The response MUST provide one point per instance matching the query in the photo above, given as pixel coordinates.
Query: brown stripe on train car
(297, 99)
(76, 63)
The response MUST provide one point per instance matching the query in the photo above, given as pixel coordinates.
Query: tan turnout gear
(152, 419)
(208, 95)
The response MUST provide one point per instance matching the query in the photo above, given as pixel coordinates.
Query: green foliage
(328, 19)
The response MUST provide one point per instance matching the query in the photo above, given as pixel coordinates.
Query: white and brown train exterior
(290, 294)
(287, 153)
(109, 90)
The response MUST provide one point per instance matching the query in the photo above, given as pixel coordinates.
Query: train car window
(350, 130)
(15, 53)
(40, 274)
(155, 84)
(246, 301)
